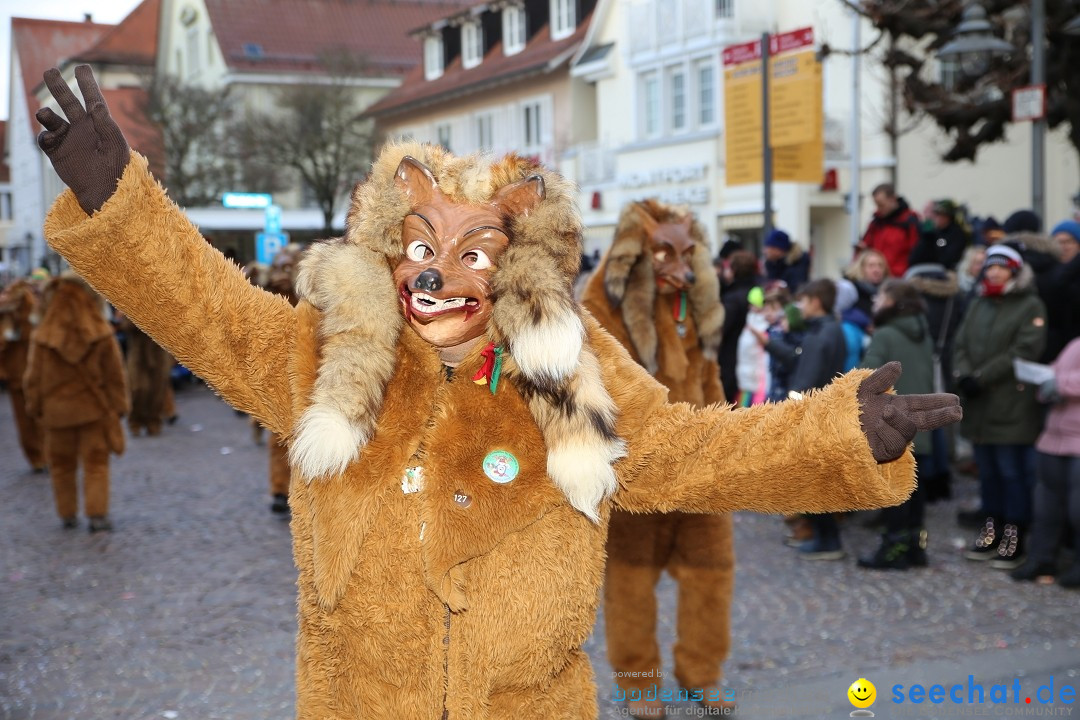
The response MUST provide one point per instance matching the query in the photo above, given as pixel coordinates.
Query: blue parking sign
(268, 244)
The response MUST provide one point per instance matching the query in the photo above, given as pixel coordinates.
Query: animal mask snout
(428, 281)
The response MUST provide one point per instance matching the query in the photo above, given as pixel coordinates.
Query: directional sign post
(796, 127)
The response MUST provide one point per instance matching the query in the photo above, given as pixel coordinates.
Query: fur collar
(535, 318)
(631, 285)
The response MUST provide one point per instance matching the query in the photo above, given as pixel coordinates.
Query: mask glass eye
(476, 259)
(660, 255)
(418, 250)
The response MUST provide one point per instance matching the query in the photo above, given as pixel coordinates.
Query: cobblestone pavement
(187, 610)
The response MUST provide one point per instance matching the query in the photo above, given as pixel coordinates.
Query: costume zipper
(446, 664)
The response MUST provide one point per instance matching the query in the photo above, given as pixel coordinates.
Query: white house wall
(25, 160)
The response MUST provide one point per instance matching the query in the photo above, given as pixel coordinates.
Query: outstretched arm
(840, 448)
(117, 229)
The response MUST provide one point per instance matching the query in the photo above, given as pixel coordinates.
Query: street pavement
(187, 611)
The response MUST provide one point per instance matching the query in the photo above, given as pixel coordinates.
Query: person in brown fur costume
(149, 368)
(18, 313)
(656, 292)
(281, 280)
(459, 428)
(76, 389)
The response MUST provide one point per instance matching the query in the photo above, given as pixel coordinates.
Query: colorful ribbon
(489, 372)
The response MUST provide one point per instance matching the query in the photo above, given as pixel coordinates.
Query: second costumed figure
(656, 292)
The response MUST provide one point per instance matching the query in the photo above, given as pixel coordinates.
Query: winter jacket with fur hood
(75, 374)
(468, 599)
(994, 332)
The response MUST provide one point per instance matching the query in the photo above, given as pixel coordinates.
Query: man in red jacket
(893, 231)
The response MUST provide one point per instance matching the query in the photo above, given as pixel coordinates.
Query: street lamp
(973, 43)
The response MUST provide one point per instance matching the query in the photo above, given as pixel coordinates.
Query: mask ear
(648, 222)
(520, 198)
(415, 180)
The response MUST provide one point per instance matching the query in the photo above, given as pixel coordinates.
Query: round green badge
(501, 466)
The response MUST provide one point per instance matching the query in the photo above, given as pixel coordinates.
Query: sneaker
(893, 553)
(100, 524)
(1070, 578)
(1031, 571)
(69, 523)
(818, 549)
(1011, 551)
(985, 547)
(801, 531)
(280, 506)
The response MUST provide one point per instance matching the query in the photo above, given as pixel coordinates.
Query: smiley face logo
(862, 693)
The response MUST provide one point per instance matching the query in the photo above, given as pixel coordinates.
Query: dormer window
(563, 21)
(433, 57)
(513, 20)
(472, 45)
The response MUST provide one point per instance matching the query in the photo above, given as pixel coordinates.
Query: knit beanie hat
(1069, 227)
(1022, 221)
(778, 239)
(1004, 256)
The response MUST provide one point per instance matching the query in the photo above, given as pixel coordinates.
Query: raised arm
(118, 230)
(840, 448)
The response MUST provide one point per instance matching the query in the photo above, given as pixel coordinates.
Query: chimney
(87, 17)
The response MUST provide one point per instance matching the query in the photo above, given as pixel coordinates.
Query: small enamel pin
(501, 466)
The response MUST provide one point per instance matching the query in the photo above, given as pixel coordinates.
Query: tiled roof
(541, 55)
(289, 36)
(42, 44)
(133, 41)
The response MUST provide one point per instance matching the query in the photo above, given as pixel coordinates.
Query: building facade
(496, 78)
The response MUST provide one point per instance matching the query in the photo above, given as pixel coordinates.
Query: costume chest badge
(501, 466)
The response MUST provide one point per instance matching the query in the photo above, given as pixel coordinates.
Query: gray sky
(105, 11)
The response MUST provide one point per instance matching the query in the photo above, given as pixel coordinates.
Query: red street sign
(784, 42)
(794, 40)
(744, 52)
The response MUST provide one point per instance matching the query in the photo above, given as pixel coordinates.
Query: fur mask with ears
(654, 245)
(523, 302)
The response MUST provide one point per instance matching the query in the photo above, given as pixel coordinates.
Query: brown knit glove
(890, 422)
(87, 150)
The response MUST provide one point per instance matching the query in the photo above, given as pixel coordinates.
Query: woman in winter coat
(1005, 321)
(902, 333)
(1057, 494)
(76, 389)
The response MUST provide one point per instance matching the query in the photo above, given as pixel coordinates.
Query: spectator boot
(986, 544)
(1033, 570)
(892, 554)
(1012, 549)
(917, 548)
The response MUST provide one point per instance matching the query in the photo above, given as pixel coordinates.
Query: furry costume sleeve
(142, 253)
(797, 456)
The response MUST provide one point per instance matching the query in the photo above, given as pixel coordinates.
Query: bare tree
(197, 139)
(975, 110)
(317, 132)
